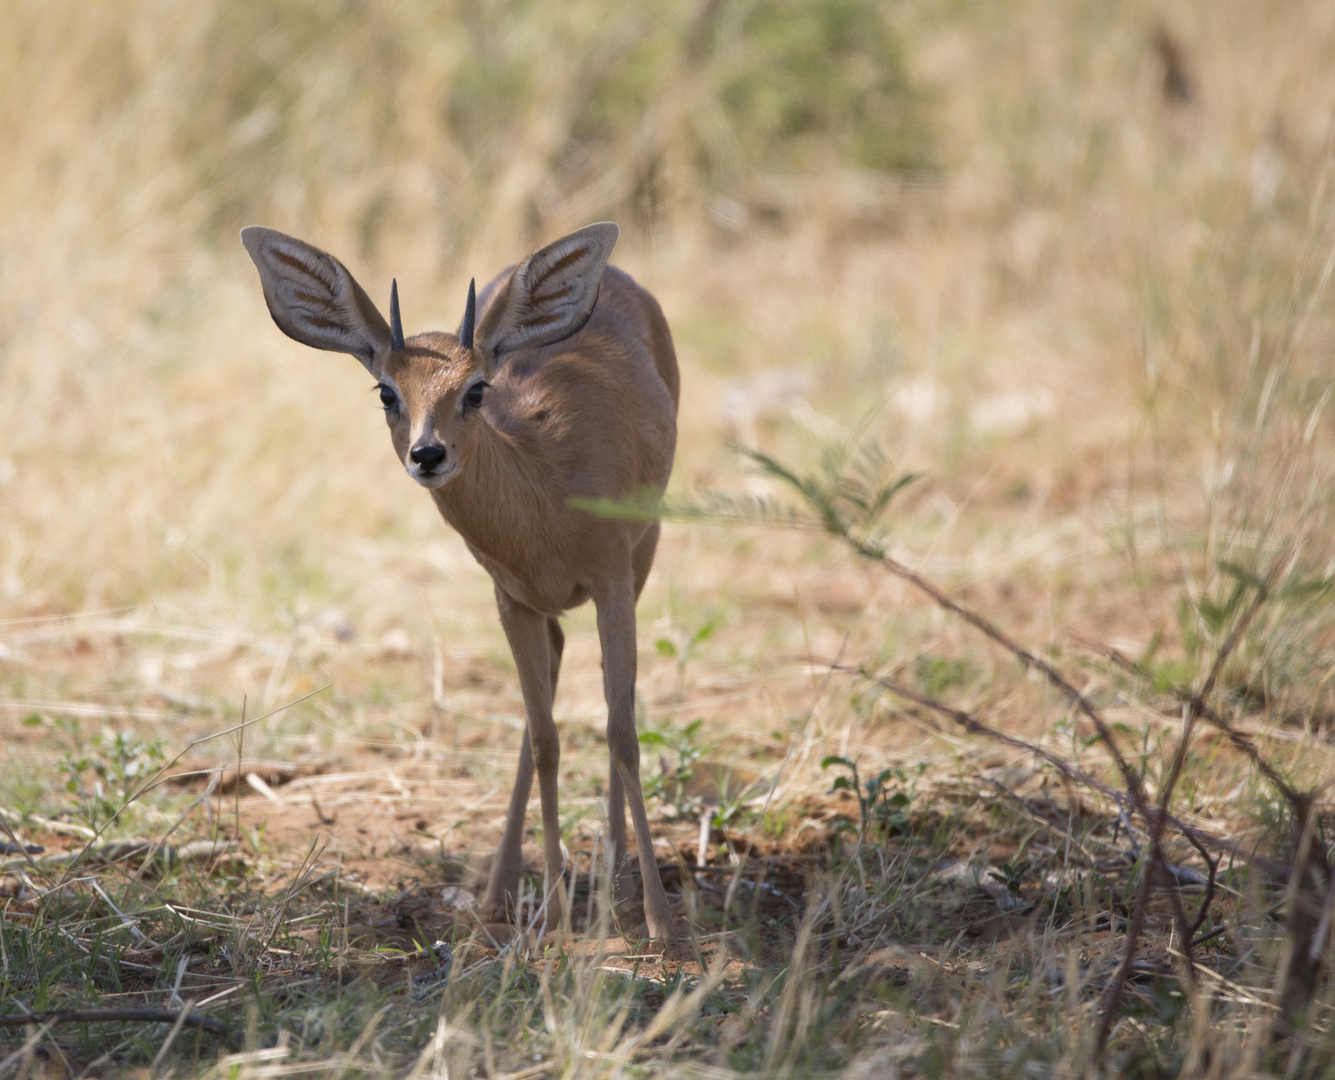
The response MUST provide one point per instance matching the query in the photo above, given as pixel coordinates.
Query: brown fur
(536, 446)
(590, 414)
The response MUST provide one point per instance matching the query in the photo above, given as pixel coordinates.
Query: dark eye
(473, 398)
(388, 398)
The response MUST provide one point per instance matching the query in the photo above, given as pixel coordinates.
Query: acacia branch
(1200, 840)
(1113, 994)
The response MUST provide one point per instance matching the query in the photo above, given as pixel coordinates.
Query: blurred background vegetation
(431, 141)
(1069, 261)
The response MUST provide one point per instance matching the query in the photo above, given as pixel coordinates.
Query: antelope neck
(497, 501)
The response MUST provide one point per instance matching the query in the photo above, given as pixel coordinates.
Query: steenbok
(562, 387)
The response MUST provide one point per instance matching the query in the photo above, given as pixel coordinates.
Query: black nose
(430, 457)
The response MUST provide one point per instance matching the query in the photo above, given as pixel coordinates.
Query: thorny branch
(1159, 820)
(848, 507)
(1200, 840)
(1241, 740)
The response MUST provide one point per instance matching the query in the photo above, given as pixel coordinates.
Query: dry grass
(1073, 268)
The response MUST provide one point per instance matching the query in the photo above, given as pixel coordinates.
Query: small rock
(456, 896)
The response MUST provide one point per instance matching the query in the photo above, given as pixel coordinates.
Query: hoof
(662, 931)
(491, 910)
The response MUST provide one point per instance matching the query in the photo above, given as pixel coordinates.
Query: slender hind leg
(642, 560)
(616, 632)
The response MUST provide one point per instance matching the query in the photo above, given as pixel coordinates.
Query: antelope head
(433, 386)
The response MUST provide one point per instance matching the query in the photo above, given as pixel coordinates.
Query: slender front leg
(531, 643)
(502, 889)
(503, 883)
(616, 631)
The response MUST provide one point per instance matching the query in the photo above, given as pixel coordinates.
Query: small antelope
(563, 385)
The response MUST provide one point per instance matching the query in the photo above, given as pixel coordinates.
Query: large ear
(314, 299)
(550, 295)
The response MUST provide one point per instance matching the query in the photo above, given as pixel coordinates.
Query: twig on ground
(19, 847)
(106, 1016)
(29, 1045)
(155, 853)
(50, 825)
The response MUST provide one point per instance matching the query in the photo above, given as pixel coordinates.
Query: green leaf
(643, 505)
(1213, 615)
(1305, 588)
(1242, 574)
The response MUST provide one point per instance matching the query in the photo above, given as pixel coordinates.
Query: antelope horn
(395, 323)
(470, 316)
